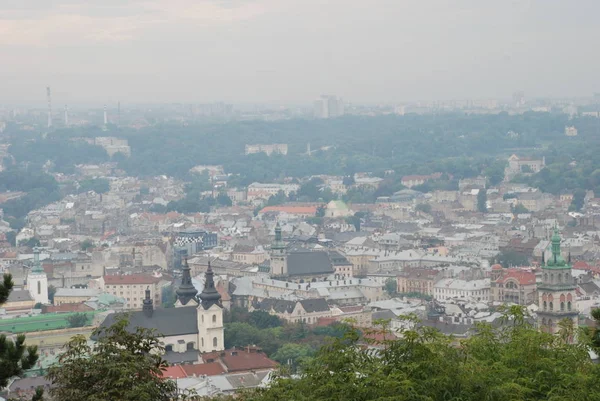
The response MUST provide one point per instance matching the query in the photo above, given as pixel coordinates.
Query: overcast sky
(283, 51)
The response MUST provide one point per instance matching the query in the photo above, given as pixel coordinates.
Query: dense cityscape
(208, 201)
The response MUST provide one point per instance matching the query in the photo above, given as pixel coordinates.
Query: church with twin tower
(556, 292)
(193, 327)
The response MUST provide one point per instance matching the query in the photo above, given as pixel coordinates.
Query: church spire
(186, 290)
(147, 307)
(209, 295)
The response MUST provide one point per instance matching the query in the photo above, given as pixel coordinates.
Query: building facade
(557, 291)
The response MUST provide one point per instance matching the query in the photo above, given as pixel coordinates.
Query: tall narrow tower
(66, 116)
(278, 255)
(49, 106)
(105, 116)
(557, 291)
(37, 282)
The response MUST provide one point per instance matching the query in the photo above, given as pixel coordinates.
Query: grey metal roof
(166, 322)
(308, 263)
(315, 305)
(19, 295)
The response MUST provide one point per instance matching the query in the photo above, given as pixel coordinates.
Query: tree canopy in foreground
(515, 362)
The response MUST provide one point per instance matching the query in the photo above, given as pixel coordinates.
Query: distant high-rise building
(328, 107)
(105, 116)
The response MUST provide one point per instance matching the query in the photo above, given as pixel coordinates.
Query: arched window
(39, 283)
(202, 342)
(202, 318)
(562, 306)
(214, 318)
(569, 305)
(215, 342)
(545, 306)
(551, 306)
(552, 277)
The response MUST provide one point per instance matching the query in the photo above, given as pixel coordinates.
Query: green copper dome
(556, 260)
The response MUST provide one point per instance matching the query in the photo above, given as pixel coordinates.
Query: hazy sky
(294, 50)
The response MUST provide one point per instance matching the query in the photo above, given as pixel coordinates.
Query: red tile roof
(130, 279)
(245, 361)
(523, 277)
(64, 308)
(208, 369)
(174, 372)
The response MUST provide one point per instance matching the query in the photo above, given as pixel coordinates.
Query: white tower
(210, 316)
(105, 116)
(37, 282)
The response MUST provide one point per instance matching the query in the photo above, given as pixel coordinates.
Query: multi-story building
(516, 286)
(418, 281)
(449, 288)
(132, 288)
(328, 107)
(74, 295)
(557, 291)
(190, 242)
(306, 311)
(269, 149)
(258, 190)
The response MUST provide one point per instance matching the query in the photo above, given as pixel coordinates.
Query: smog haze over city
(267, 200)
(286, 51)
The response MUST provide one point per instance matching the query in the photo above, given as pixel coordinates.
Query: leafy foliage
(509, 258)
(15, 356)
(513, 362)
(77, 320)
(121, 366)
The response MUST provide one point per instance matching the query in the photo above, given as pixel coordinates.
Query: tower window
(569, 305)
(39, 285)
(562, 306)
(551, 306)
(214, 318)
(545, 305)
(215, 342)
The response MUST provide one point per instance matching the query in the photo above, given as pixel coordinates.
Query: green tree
(263, 320)
(518, 209)
(510, 258)
(121, 365)
(482, 201)
(51, 293)
(293, 354)
(578, 200)
(31, 242)
(77, 320)
(391, 286)
(98, 185)
(223, 199)
(11, 238)
(15, 356)
(86, 245)
(423, 207)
